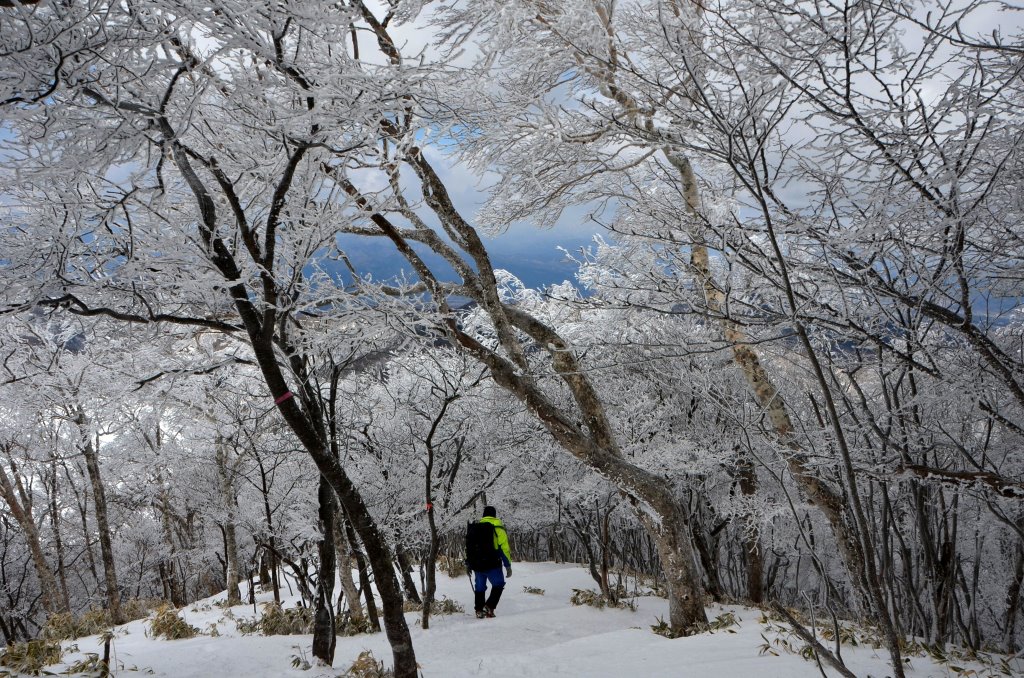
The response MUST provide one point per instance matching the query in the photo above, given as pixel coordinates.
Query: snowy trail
(533, 636)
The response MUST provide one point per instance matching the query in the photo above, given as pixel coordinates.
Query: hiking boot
(480, 614)
(488, 612)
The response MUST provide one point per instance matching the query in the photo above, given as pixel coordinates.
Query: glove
(508, 570)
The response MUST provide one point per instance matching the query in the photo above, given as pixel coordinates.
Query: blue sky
(531, 254)
(534, 255)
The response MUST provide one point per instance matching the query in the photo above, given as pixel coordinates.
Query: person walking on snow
(487, 551)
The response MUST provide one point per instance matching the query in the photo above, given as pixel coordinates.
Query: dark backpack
(481, 553)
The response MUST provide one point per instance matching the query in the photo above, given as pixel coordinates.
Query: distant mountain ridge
(536, 262)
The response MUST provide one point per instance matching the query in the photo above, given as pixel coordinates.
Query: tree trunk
(672, 540)
(364, 580)
(405, 568)
(430, 583)
(652, 497)
(705, 544)
(99, 501)
(345, 566)
(8, 632)
(227, 493)
(172, 587)
(1013, 603)
(58, 542)
(264, 569)
(605, 540)
(232, 576)
(855, 555)
(755, 569)
(306, 420)
(269, 554)
(324, 634)
(747, 476)
(20, 504)
(83, 514)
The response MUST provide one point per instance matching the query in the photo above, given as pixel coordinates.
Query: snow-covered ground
(532, 636)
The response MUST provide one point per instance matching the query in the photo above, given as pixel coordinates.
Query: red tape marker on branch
(284, 397)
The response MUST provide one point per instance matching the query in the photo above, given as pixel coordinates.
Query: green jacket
(500, 539)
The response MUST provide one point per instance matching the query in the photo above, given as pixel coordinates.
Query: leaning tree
(188, 165)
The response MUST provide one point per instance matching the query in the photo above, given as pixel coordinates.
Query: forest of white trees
(790, 369)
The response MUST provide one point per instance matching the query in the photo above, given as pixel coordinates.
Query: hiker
(486, 551)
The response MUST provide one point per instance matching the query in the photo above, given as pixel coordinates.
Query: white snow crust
(532, 636)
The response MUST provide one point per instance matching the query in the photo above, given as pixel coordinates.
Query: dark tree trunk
(405, 567)
(270, 553)
(430, 585)
(264, 570)
(99, 500)
(605, 540)
(266, 329)
(747, 476)
(324, 635)
(364, 580)
(5, 629)
(58, 542)
(1013, 602)
(704, 544)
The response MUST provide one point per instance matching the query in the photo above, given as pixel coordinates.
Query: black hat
(489, 512)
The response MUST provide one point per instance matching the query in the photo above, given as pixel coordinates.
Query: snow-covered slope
(532, 636)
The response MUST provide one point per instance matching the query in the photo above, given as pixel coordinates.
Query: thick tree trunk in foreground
(232, 577)
(685, 596)
(377, 551)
